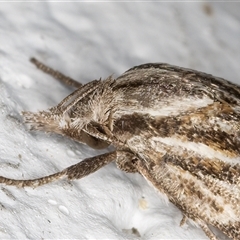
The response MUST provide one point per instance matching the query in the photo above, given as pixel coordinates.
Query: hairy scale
(177, 127)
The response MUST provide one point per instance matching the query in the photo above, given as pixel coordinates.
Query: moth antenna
(32, 182)
(76, 171)
(56, 74)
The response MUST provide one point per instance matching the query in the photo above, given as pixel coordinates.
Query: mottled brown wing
(185, 131)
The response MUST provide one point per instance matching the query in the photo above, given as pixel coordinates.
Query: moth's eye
(93, 142)
(98, 127)
(97, 143)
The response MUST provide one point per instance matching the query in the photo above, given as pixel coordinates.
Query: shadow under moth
(177, 127)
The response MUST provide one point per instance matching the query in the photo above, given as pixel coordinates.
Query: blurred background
(89, 40)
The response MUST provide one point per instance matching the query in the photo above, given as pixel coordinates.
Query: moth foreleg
(183, 221)
(206, 230)
(56, 74)
(75, 171)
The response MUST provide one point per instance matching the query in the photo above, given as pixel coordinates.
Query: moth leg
(184, 220)
(127, 162)
(56, 74)
(207, 231)
(76, 171)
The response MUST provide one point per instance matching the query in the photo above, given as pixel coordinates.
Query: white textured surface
(87, 41)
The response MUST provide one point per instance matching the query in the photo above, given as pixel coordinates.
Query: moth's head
(48, 122)
(89, 107)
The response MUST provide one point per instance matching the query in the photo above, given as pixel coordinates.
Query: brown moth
(177, 127)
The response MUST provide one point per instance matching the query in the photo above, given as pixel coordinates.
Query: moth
(179, 128)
